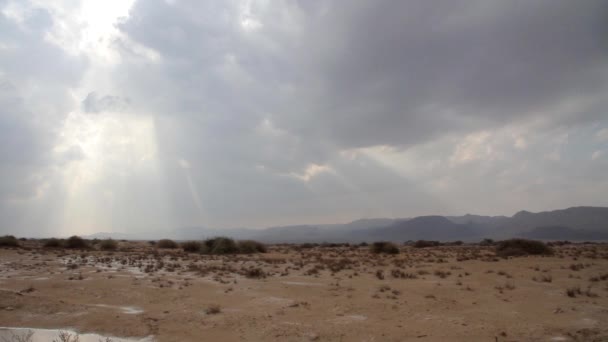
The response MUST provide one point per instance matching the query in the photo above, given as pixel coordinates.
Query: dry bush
(251, 246)
(573, 291)
(521, 247)
(192, 246)
(8, 241)
(219, 245)
(166, 244)
(255, 273)
(52, 243)
(384, 247)
(426, 243)
(65, 336)
(213, 309)
(76, 242)
(108, 245)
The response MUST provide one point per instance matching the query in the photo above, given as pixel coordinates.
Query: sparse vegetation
(426, 243)
(251, 246)
(255, 273)
(289, 271)
(573, 291)
(219, 245)
(191, 246)
(108, 245)
(65, 336)
(384, 247)
(522, 247)
(166, 244)
(9, 241)
(213, 309)
(76, 242)
(52, 243)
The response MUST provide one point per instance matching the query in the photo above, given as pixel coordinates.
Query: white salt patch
(130, 310)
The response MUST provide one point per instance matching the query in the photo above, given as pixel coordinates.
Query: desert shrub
(191, 246)
(255, 273)
(251, 246)
(425, 243)
(52, 243)
(308, 245)
(486, 242)
(573, 291)
(219, 245)
(76, 242)
(213, 309)
(520, 247)
(166, 243)
(384, 247)
(8, 241)
(108, 245)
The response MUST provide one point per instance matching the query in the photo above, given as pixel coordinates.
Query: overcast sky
(151, 115)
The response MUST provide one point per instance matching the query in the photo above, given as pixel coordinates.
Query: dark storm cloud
(251, 104)
(399, 73)
(247, 113)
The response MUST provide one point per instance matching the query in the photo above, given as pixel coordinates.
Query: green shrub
(219, 245)
(76, 242)
(166, 243)
(384, 247)
(520, 247)
(8, 241)
(251, 246)
(108, 245)
(191, 246)
(52, 243)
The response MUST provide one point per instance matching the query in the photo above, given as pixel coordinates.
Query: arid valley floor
(338, 293)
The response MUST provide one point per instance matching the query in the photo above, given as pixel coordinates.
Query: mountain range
(576, 223)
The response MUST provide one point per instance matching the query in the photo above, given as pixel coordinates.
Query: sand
(456, 293)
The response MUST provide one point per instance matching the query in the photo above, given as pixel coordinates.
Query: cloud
(602, 135)
(108, 103)
(312, 171)
(596, 155)
(226, 114)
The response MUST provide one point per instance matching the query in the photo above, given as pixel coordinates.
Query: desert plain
(311, 292)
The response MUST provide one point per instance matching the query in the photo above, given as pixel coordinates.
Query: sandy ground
(460, 293)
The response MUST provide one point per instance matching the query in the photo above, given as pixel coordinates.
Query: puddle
(46, 335)
(129, 310)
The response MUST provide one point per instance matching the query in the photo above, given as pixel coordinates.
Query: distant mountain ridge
(575, 223)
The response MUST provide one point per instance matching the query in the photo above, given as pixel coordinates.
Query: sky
(151, 115)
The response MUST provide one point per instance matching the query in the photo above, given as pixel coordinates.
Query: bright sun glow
(97, 150)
